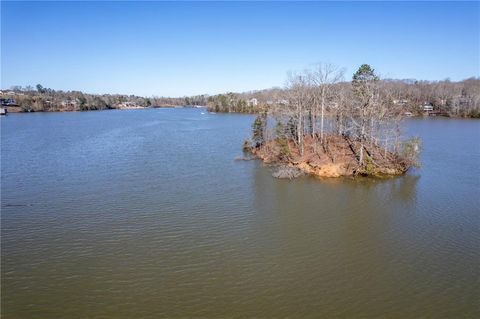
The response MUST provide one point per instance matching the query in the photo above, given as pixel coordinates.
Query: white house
(253, 102)
(427, 108)
(400, 102)
(69, 102)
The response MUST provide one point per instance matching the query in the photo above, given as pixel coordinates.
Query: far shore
(19, 110)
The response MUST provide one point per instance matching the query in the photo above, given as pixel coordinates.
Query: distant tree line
(231, 102)
(456, 99)
(40, 98)
(448, 98)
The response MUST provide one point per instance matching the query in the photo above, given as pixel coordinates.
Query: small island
(325, 132)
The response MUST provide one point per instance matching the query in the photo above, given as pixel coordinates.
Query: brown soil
(336, 157)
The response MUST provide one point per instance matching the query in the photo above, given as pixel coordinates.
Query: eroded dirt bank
(337, 156)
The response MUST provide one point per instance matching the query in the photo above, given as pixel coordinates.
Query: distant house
(8, 102)
(400, 102)
(427, 108)
(69, 102)
(333, 105)
(463, 101)
(253, 102)
(128, 105)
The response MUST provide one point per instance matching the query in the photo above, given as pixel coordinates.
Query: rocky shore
(335, 158)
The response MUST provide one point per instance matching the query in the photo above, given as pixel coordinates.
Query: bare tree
(324, 77)
(299, 99)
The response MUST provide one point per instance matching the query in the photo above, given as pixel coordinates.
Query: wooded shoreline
(19, 110)
(413, 98)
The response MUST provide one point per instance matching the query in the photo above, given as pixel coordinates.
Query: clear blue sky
(176, 49)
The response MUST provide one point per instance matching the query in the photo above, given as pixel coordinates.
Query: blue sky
(186, 48)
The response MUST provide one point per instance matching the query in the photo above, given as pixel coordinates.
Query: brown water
(146, 214)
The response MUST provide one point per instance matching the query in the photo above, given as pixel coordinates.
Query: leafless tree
(324, 76)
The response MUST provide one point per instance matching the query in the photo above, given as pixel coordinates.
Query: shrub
(410, 151)
(247, 146)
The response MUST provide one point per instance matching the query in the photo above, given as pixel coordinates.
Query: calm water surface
(146, 213)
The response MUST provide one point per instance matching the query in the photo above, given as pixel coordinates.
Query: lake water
(147, 214)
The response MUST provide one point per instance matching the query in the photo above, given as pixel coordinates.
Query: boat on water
(3, 111)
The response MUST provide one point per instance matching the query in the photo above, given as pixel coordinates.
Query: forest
(42, 99)
(447, 98)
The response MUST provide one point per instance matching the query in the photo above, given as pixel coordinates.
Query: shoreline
(337, 157)
(19, 110)
(15, 110)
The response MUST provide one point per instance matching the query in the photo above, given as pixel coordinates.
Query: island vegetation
(360, 135)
